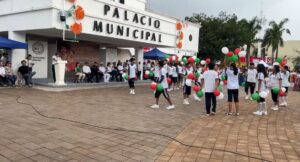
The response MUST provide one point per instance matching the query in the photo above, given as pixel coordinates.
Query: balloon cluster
(125, 76)
(233, 56)
(148, 74)
(223, 80)
(155, 86)
(281, 61)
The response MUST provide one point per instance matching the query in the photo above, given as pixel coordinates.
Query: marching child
(285, 74)
(210, 83)
(175, 76)
(163, 81)
(251, 80)
(132, 71)
(187, 87)
(233, 88)
(261, 88)
(275, 80)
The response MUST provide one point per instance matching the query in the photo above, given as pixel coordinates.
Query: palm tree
(250, 30)
(273, 36)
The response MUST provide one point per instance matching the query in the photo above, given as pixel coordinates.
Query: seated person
(2, 74)
(87, 71)
(26, 73)
(79, 74)
(102, 71)
(95, 72)
(10, 77)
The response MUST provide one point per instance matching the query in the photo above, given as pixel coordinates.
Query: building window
(122, 1)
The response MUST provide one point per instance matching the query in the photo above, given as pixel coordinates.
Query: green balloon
(223, 77)
(200, 94)
(235, 58)
(125, 76)
(229, 58)
(166, 56)
(159, 88)
(220, 88)
(197, 60)
(255, 97)
(275, 90)
(197, 75)
(151, 74)
(279, 59)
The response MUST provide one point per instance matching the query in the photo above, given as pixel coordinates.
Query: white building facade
(106, 29)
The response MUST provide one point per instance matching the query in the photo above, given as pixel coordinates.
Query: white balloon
(242, 54)
(147, 72)
(263, 94)
(225, 50)
(188, 82)
(221, 96)
(154, 83)
(245, 47)
(174, 58)
(203, 62)
(283, 89)
(201, 76)
(221, 83)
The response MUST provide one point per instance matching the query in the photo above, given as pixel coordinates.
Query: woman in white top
(180, 74)
(261, 88)
(285, 75)
(175, 76)
(108, 71)
(233, 88)
(120, 72)
(251, 80)
(275, 80)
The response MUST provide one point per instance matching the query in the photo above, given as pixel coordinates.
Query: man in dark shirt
(24, 70)
(95, 71)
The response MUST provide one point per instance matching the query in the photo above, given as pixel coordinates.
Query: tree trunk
(276, 53)
(248, 55)
(272, 56)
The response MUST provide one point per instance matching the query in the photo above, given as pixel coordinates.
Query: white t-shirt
(180, 69)
(251, 75)
(285, 79)
(156, 72)
(86, 69)
(164, 83)
(102, 69)
(109, 69)
(170, 70)
(132, 71)
(2, 71)
(210, 77)
(274, 79)
(121, 68)
(233, 80)
(174, 73)
(261, 77)
(189, 70)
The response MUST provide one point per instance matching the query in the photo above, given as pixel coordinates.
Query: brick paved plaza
(26, 136)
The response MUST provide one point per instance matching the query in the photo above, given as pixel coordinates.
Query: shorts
(233, 94)
(187, 90)
(164, 92)
(261, 100)
(174, 79)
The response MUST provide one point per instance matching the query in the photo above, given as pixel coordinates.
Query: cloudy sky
(273, 10)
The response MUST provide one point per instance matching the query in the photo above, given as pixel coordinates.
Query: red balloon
(146, 76)
(225, 82)
(207, 60)
(196, 88)
(217, 93)
(153, 86)
(204, 70)
(177, 58)
(283, 63)
(191, 60)
(281, 94)
(191, 76)
(237, 51)
(229, 54)
(169, 80)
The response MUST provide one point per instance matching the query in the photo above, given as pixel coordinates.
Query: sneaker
(169, 90)
(207, 115)
(275, 108)
(170, 107)
(130, 92)
(213, 113)
(186, 102)
(196, 98)
(259, 113)
(283, 104)
(237, 114)
(154, 106)
(133, 92)
(247, 97)
(265, 113)
(228, 114)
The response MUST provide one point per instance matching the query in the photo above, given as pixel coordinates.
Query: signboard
(39, 52)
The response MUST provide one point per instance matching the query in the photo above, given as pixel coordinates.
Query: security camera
(62, 16)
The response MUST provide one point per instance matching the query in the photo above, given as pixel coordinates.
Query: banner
(39, 52)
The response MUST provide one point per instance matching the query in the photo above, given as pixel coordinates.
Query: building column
(108, 55)
(17, 55)
(139, 57)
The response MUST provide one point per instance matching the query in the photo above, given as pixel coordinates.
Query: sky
(273, 10)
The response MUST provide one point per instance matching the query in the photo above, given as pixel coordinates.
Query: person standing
(55, 58)
(261, 87)
(210, 83)
(132, 70)
(276, 82)
(163, 81)
(30, 64)
(285, 75)
(251, 80)
(233, 88)
(187, 87)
